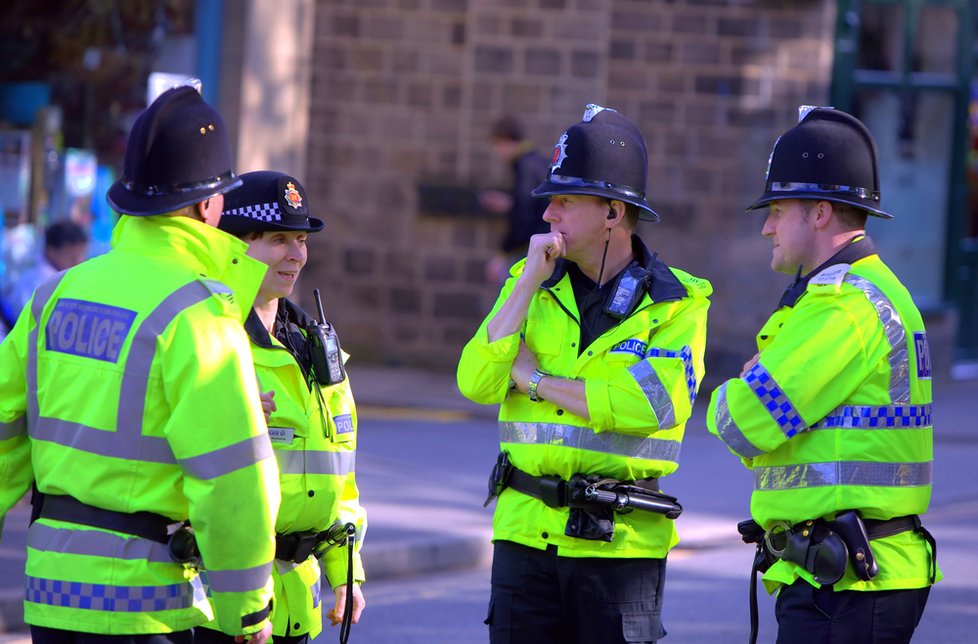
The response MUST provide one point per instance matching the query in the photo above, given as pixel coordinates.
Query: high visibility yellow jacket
(314, 434)
(127, 383)
(836, 414)
(641, 378)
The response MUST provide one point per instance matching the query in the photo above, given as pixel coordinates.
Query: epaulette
(828, 280)
(695, 286)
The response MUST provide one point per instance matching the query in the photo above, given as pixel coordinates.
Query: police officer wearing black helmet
(311, 417)
(594, 352)
(833, 413)
(129, 398)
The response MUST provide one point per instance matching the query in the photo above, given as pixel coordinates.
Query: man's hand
(541, 256)
(268, 403)
(497, 270)
(359, 603)
(523, 367)
(750, 363)
(256, 638)
(495, 201)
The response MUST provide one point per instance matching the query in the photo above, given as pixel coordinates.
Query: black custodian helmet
(267, 201)
(177, 155)
(604, 156)
(829, 155)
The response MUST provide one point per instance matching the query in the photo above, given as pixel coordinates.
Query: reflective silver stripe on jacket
(877, 417)
(94, 543)
(728, 431)
(583, 438)
(896, 335)
(315, 462)
(655, 392)
(127, 441)
(151, 449)
(790, 477)
(103, 597)
(228, 459)
(42, 295)
(14, 428)
(239, 581)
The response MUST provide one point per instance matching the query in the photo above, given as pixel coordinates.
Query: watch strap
(535, 379)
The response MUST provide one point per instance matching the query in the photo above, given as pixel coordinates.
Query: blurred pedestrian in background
(65, 245)
(524, 214)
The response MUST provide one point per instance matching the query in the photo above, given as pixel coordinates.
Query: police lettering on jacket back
(88, 329)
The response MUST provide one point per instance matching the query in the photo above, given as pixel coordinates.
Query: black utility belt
(299, 546)
(177, 536)
(592, 499)
(825, 548)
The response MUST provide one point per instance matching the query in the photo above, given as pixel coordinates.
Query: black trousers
(210, 636)
(823, 616)
(540, 598)
(43, 635)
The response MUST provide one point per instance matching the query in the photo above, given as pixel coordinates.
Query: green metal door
(905, 68)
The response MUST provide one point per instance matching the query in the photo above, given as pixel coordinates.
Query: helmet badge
(591, 110)
(559, 154)
(292, 196)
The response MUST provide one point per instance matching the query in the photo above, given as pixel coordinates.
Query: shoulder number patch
(922, 351)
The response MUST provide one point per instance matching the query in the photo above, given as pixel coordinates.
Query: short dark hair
(850, 215)
(632, 213)
(64, 233)
(507, 128)
(847, 214)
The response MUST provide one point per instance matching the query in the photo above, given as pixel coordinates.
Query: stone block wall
(402, 95)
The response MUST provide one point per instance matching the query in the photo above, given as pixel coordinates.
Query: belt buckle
(776, 538)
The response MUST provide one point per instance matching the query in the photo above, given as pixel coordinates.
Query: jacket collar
(859, 247)
(204, 250)
(663, 285)
(287, 310)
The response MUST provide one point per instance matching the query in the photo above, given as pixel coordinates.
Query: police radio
(627, 293)
(324, 349)
(631, 285)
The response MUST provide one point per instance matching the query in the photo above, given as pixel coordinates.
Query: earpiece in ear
(611, 213)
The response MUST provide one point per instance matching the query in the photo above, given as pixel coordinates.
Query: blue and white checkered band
(259, 211)
(774, 400)
(686, 355)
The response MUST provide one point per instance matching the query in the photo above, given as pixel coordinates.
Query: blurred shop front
(73, 77)
(907, 68)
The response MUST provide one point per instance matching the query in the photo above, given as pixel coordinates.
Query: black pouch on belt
(852, 529)
(818, 550)
(586, 520)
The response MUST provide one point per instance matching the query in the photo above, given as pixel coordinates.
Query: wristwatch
(534, 381)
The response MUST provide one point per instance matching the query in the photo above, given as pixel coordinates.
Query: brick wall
(403, 92)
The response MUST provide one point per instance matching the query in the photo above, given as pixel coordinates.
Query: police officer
(128, 397)
(312, 420)
(833, 413)
(594, 352)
